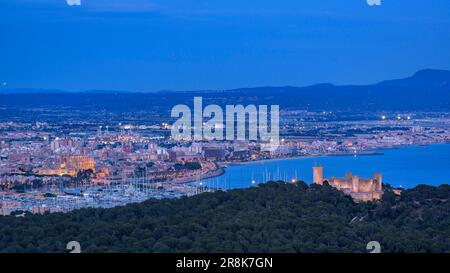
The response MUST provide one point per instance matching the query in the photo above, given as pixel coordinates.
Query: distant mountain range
(425, 90)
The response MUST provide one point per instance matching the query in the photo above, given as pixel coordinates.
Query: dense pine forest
(274, 217)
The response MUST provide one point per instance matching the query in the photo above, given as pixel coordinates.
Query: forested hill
(274, 217)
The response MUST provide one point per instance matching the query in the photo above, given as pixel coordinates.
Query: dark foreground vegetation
(275, 217)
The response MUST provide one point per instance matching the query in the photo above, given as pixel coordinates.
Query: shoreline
(221, 170)
(371, 152)
(215, 173)
(300, 157)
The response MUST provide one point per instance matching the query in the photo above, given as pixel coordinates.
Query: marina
(404, 167)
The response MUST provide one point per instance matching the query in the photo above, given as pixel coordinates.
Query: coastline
(187, 180)
(221, 170)
(373, 152)
(299, 157)
(222, 166)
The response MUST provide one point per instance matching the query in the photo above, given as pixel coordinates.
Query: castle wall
(340, 183)
(379, 181)
(366, 185)
(361, 189)
(318, 175)
(355, 184)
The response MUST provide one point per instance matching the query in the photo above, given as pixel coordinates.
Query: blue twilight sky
(149, 45)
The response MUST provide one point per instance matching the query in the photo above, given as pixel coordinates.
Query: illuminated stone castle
(361, 189)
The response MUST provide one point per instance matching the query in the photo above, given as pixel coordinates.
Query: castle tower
(355, 183)
(379, 181)
(318, 175)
